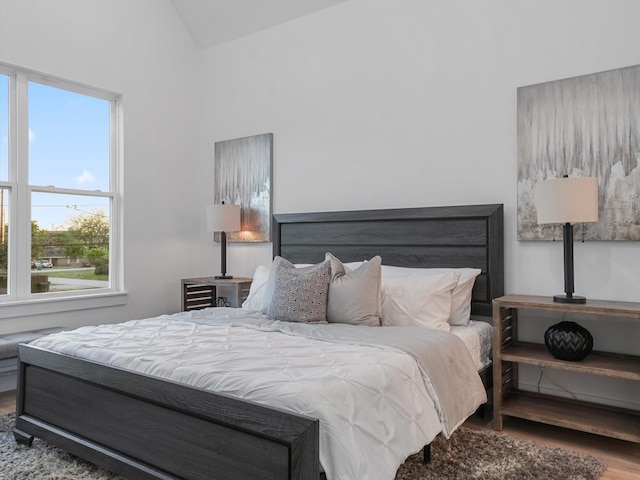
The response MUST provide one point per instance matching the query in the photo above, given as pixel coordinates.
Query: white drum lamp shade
(567, 201)
(223, 218)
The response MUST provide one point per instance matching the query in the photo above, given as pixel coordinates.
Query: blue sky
(68, 148)
(4, 113)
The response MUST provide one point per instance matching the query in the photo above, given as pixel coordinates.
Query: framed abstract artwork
(242, 176)
(587, 126)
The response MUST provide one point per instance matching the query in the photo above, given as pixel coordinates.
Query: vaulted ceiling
(213, 22)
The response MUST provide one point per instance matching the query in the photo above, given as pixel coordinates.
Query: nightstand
(206, 292)
(509, 352)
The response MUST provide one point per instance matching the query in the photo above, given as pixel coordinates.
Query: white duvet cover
(374, 404)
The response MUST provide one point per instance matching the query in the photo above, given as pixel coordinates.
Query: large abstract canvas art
(587, 126)
(242, 176)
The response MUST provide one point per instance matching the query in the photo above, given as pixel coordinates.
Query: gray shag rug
(488, 455)
(468, 454)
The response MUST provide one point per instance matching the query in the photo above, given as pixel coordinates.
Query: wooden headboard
(430, 237)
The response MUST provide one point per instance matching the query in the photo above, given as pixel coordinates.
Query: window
(4, 177)
(59, 198)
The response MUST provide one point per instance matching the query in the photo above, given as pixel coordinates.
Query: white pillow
(461, 295)
(354, 295)
(353, 265)
(256, 292)
(391, 270)
(461, 298)
(418, 300)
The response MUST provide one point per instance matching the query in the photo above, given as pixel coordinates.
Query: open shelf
(508, 353)
(596, 363)
(586, 417)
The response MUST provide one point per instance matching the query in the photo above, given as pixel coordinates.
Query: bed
(142, 426)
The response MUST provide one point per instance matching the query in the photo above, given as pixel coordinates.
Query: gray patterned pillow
(271, 280)
(300, 296)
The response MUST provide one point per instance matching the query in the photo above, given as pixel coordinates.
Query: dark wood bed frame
(143, 427)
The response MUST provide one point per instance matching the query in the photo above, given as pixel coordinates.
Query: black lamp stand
(223, 258)
(569, 297)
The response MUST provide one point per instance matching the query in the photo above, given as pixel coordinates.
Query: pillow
(391, 270)
(268, 288)
(354, 295)
(461, 298)
(353, 265)
(300, 295)
(461, 295)
(414, 300)
(256, 292)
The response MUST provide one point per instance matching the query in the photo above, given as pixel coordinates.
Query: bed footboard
(148, 428)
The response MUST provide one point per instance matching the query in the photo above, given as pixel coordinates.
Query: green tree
(38, 240)
(4, 249)
(91, 229)
(73, 246)
(99, 258)
(88, 234)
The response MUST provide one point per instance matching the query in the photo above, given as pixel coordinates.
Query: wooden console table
(508, 352)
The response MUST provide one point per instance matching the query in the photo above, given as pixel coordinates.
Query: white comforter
(376, 405)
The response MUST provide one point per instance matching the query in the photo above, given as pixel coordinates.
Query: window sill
(23, 308)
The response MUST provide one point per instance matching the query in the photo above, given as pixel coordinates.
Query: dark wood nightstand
(206, 292)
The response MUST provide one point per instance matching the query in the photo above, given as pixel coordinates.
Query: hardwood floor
(622, 458)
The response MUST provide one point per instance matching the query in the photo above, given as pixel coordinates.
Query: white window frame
(19, 301)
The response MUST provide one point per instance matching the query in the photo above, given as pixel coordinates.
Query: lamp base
(567, 299)
(223, 277)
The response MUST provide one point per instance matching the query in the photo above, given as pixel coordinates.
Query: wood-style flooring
(622, 458)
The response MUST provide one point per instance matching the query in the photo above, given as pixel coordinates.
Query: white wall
(141, 50)
(377, 104)
(407, 103)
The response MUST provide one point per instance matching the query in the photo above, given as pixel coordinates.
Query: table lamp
(567, 201)
(223, 218)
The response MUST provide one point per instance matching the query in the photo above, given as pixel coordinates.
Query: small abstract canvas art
(242, 176)
(587, 126)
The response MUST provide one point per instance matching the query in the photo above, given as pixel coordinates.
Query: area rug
(468, 454)
(487, 455)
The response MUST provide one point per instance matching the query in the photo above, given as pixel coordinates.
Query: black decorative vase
(568, 341)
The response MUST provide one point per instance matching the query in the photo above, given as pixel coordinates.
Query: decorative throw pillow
(422, 301)
(354, 295)
(300, 296)
(269, 287)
